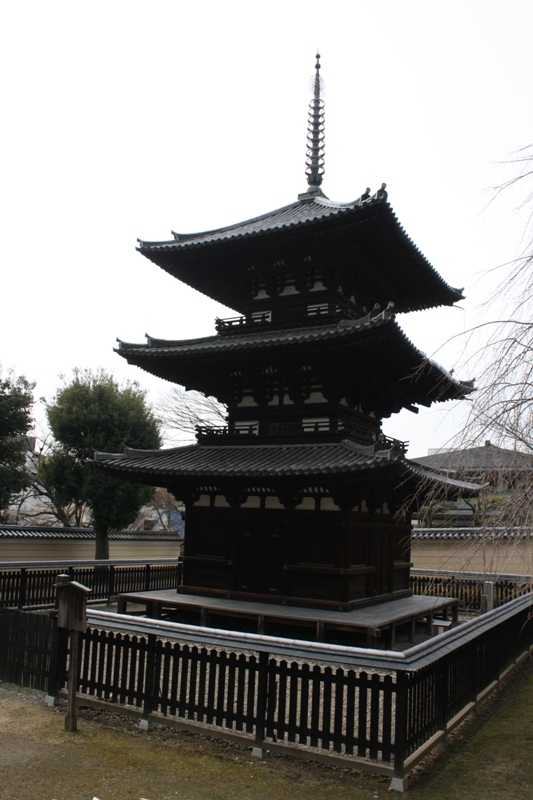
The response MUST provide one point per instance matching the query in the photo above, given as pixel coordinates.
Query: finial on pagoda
(315, 138)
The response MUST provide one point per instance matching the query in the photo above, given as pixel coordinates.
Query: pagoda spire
(315, 137)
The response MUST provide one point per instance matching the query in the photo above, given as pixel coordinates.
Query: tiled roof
(409, 279)
(261, 339)
(472, 533)
(266, 461)
(301, 212)
(487, 458)
(49, 532)
(400, 359)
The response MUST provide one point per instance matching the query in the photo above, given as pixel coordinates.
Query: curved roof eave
(263, 340)
(256, 462)
(300, 214)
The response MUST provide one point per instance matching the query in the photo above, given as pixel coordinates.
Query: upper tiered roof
(359, 244)
(364, 235)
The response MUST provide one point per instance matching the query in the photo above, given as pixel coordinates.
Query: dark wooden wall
(327, 558)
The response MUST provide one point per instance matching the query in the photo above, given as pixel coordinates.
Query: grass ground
(110, 759)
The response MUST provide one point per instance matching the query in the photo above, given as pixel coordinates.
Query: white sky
(129, 119)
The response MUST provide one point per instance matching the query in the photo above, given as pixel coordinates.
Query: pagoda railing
(296, 316)
(296, 430)
(387, 444)
(237, 324)
(218, 431)
(307, 315)
(283, 428)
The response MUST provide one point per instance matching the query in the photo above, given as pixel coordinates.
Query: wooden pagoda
(296, 500)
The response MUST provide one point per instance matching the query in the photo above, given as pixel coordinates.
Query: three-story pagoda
(297, 499)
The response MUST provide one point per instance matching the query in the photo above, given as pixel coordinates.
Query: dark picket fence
(255, 696)
(31, 650)
(374, 710)
(468, 587)
(335, 703)
(31, 585)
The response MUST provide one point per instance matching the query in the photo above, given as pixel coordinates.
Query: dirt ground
(109, 758)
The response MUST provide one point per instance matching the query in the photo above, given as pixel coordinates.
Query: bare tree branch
(183, 411)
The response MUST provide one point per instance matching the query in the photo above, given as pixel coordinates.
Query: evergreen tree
(90, 413)
(16, 403)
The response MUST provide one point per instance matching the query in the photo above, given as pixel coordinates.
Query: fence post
(399, 781)
(488, 594)
(151, 683)
(262, 694)
(22, 589)
(111, 584)
(443, 679)
(58, 664)
(147, 579)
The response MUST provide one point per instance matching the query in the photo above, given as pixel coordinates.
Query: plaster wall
(506, 556)
(64, 550)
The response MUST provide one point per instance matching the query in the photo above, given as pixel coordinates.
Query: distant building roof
(49, 532)
(472, 533)
(487, 458)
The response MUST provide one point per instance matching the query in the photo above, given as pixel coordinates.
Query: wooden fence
(374, 710)
(31, 650)
(251, 697)
(31, 585)
(27, 585)
(468, 587)
(365, 708)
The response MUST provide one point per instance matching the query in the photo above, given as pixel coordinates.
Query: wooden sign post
(72, 614)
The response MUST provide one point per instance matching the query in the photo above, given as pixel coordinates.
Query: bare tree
(502, 407)
(42, 503)
(163, 511)
(182, 412)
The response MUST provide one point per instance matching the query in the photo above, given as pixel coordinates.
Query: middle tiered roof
(370, 359)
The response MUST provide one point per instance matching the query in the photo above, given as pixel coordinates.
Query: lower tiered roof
(262, 462)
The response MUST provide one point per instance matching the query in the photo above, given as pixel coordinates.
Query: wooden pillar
(262, 691)
(455, 612)
(371, 638)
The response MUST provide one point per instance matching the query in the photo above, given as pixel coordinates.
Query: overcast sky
(132, 119)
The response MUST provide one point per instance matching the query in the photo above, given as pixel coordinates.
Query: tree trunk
(102, 543)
